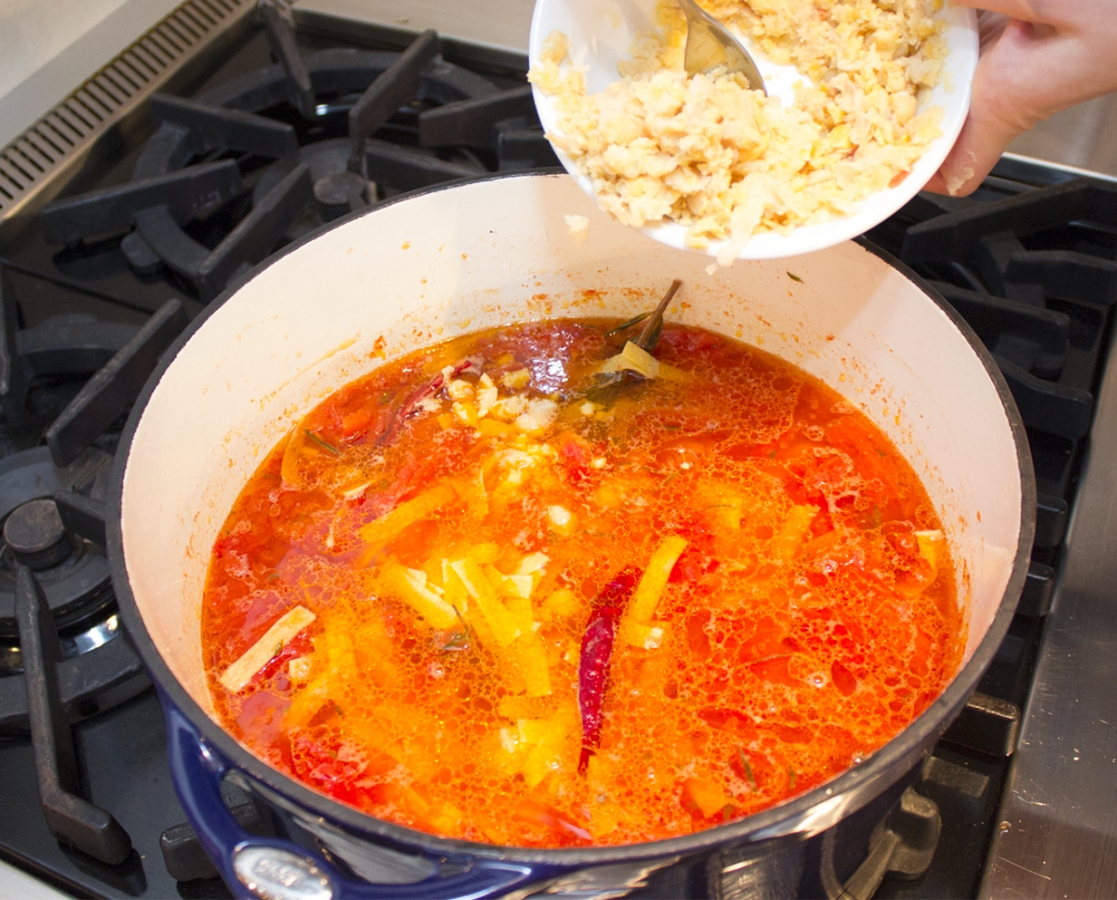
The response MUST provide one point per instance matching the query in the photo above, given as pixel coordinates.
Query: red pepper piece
(597, 652)
(299, 645)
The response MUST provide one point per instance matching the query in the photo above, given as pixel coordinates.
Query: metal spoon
(709, 44)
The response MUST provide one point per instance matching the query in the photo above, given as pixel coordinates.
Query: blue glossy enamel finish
(197, 769)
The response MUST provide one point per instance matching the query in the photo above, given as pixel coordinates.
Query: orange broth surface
(547, 622)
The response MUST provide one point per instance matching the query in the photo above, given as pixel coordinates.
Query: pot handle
(264, 867)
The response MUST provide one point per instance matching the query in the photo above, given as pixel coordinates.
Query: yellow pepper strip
(707, 795)
(552, 743)
(528, 654)
(722, 504)
(456, 595)
(522, 707)
(335, 660)
(447, 818)
(931, 544)
(339, 649)
(256, 657)
(787, 540)
(559, 604)
(488, 552)
(491, 428)
(638, 617)
(521, 585)
(640, 634)
(646, 597)
(503, 626)
(374, 730)
(519, 608)
(473, 494)
(410, 586)
(307, 702)
(390, 525)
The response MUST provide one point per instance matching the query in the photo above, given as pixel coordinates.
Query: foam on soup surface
(470, 595)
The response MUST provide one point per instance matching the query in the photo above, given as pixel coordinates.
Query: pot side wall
(407, 274)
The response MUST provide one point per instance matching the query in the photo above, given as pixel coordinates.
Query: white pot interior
(458, 259)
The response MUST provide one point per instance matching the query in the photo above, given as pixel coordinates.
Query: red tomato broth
(811, 616)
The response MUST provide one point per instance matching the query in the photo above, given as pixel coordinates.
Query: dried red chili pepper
(410, 406)
(597, 652)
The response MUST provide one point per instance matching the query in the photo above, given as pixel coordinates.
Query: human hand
(1037, 57)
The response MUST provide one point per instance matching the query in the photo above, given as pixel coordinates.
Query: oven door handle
(266, 867)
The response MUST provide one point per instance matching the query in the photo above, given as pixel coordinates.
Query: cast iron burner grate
(268, 156)
(63, 654)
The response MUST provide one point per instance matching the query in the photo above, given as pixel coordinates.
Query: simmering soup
(479, 594)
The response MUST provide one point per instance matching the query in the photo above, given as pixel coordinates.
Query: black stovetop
(1029, 261)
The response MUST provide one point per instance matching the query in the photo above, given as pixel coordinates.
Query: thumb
(983, 139)
(996, 116)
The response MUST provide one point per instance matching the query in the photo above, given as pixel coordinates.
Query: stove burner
(52, 510)
(409, 120)
(1035, 274)
(76, 584)
(70, 817)
(52, 507)
(36, 536)
(337, 193)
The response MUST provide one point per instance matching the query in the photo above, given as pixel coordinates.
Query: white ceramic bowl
(601, 33)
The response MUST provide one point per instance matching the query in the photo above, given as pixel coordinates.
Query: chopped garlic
(508, 408)
(298, 669)
(486, 395)
(459, 390)
(539, 414)
(517, 459)
(430, 404)
(560, 515)
(517, 380)
(599, 463)
(579, 226)
(561, 518)
(465, 411)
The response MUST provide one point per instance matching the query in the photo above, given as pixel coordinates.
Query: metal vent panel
(38, 163)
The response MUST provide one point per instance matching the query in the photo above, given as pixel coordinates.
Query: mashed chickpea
(727, 162)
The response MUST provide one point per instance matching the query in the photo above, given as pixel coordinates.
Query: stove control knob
(275, 874)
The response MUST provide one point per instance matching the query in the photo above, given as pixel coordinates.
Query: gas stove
(231, 129)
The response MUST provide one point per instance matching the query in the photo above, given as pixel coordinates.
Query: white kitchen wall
(49, 47)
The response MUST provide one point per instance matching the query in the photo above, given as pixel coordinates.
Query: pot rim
(839, 796)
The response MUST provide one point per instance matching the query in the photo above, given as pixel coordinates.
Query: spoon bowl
(601, 33)
(709, 44)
